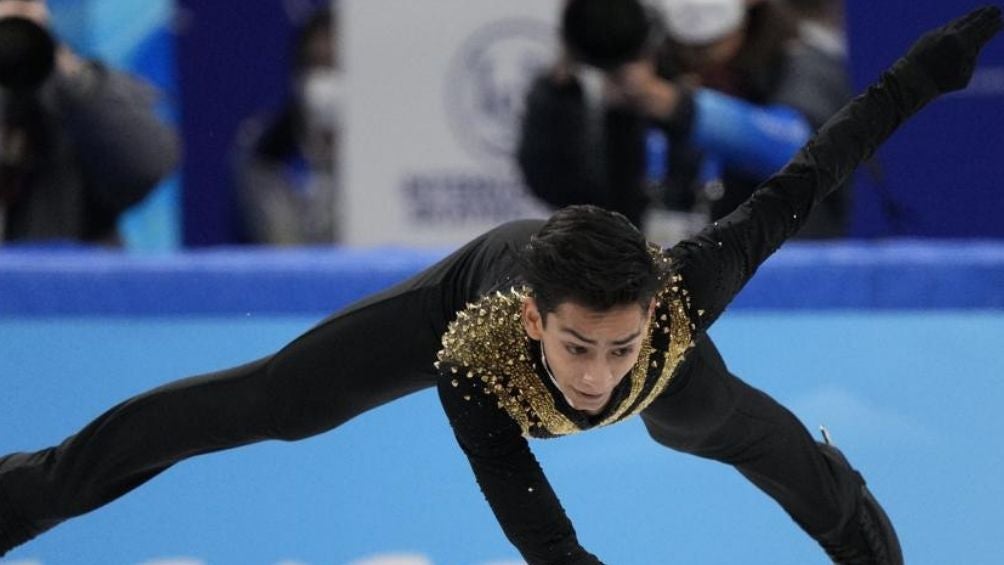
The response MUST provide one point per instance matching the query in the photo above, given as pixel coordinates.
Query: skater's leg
(374, 351)
(713, 414)
(371, 353)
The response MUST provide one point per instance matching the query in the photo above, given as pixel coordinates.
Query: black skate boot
(868, 537)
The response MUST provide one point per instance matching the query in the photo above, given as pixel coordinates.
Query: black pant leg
(353, 361)
(713, 414)
(372, 352)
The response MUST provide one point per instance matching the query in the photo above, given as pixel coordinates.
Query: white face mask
(322, 93)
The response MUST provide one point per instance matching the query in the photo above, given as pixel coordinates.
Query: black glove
(948, 54)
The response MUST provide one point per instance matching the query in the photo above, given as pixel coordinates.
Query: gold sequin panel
(489, 340)
(670, 336)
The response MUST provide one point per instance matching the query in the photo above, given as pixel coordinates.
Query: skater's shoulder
(487, 330)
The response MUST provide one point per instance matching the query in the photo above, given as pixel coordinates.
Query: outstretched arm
(512, 481)
(717, 262)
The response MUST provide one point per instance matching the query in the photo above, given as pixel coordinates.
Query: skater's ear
(533, 319)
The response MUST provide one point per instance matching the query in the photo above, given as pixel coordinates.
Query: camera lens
(605, 33)
(27, 53)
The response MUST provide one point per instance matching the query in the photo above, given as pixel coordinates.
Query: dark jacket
(77, 153)
(570, 153)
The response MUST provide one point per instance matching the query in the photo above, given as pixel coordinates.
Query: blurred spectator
(285, 164)
(822, 23)
(819, 55)
(680, 104)
(79, 142)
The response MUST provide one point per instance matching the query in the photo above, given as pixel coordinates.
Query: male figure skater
(542, 329)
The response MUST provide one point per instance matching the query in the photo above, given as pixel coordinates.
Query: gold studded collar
(487, 343)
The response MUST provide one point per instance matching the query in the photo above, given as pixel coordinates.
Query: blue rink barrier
(887, 275)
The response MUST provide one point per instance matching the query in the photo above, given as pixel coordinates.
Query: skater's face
(588, 352)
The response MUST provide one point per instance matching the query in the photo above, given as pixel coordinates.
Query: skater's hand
(948, 54)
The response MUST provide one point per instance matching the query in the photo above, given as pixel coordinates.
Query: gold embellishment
(489, 340)
(670, 301)
(680, 338)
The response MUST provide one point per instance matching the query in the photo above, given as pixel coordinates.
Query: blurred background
(214, 177)
(428, 116)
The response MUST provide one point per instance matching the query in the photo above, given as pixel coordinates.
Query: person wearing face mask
(79, 142)
(539, 329)
(286, 166)
(683, 105)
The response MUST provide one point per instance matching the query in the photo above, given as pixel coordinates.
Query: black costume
(489, 375)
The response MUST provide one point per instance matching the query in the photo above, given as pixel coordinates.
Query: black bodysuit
(461, 315)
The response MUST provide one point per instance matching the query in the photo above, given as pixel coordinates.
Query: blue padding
(68, 282)
(891, 275)
(220, 281)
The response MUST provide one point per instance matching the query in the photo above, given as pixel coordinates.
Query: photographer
(721, 83)
(285, 163)
(79, 143)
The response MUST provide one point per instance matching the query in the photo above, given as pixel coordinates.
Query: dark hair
(605, 33)
(812, 8)
(592, 257)
(323, 21)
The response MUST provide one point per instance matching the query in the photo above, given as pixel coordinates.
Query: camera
(27, 52)
(606, 33)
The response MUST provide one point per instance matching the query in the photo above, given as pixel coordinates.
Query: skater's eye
(575, 349)
(622, 351)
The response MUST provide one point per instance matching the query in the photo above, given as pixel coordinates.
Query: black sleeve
(716, 264)
(508, 473)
